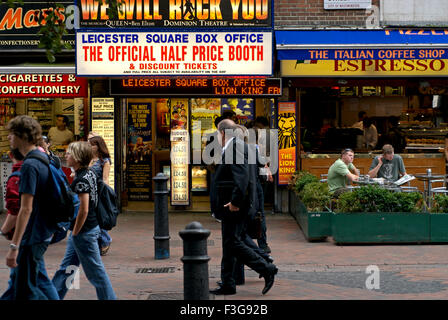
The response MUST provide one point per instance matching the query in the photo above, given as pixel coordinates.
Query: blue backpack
(62, 204)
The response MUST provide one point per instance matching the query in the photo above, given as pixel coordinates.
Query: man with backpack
(33, 231)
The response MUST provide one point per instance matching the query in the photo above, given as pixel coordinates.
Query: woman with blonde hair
(82, 244)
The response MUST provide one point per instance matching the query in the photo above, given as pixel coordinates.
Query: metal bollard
(195, 262)
(161, 225)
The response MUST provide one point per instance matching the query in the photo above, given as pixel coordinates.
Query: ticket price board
(198, 87)
(103, 124)
(180, 174)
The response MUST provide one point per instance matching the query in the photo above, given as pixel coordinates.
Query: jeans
(83, 249)
(104, 240)
(29, 280)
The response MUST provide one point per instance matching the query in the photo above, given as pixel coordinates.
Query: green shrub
(377, 199)
(316, 197)
(440, 203)
(300, 179)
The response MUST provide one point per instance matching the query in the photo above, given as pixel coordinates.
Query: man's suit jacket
(235, 181)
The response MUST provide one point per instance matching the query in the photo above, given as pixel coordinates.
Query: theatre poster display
(286, 141)
(139, 151)
(244, 109)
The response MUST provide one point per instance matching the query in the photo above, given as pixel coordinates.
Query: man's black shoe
(269, 281)
(266, 249)
(269, 259)
(223, 291)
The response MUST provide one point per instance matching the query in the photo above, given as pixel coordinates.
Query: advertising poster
(180, 152)
(203, 114)
(139, 176)
(103, 124)
(286, 141)
(185, 13)
(19, 24)
(244, 109)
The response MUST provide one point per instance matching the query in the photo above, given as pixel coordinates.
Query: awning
(361, 44)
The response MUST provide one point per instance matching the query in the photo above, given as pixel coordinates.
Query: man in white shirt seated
(60, 135)
(359, 124)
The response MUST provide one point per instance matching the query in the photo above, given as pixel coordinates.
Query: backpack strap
(43, 157)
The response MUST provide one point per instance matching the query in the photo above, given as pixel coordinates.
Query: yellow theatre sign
(365, 68)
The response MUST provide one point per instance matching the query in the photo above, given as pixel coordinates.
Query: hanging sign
(286, 141)
(173, 53)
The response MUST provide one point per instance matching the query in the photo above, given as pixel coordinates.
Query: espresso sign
(177, 13)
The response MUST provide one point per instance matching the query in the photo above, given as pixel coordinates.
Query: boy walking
(33, 234)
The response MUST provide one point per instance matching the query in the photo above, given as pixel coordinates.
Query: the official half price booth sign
(173, 53)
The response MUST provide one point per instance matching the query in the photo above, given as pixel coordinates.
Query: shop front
(165, 125)
(396, 77)
(170, 73)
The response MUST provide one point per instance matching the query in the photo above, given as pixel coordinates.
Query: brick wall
(311, 13)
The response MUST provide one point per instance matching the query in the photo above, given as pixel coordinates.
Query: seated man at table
(341, 171)
(389, 166)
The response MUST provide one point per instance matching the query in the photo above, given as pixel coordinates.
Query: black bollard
(161, 226)
(195, 262)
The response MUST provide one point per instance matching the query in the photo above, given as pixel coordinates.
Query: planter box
(381, 227)
(315, 225)
(439, 227)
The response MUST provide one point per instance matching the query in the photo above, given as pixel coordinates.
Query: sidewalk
(320, 270)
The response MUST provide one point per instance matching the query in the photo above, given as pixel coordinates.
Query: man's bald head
(226, 124)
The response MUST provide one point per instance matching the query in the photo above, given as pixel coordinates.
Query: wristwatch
(12, 246)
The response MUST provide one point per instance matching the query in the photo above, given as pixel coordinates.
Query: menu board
(286, 141)
(139, 151)
(103, 124)
(244, 109)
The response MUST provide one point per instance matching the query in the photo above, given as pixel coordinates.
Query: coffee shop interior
(329, 109)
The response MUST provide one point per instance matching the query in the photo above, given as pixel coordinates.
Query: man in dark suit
(235, 196)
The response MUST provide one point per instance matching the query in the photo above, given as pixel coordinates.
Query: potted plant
(372, 214)
(439, 218)
(309, 204)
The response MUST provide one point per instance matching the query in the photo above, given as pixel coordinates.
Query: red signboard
(42, 85)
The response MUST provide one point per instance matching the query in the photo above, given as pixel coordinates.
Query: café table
(427, 183)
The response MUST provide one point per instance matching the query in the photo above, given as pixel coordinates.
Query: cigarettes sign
(163, 53)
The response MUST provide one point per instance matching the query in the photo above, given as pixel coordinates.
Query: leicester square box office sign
(177, 13)
(173, 53)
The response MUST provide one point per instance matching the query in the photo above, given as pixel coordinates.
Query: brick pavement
(318, 270)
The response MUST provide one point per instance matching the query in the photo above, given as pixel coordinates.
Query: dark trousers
(238, 272)
(235, 249)
(262, 241)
